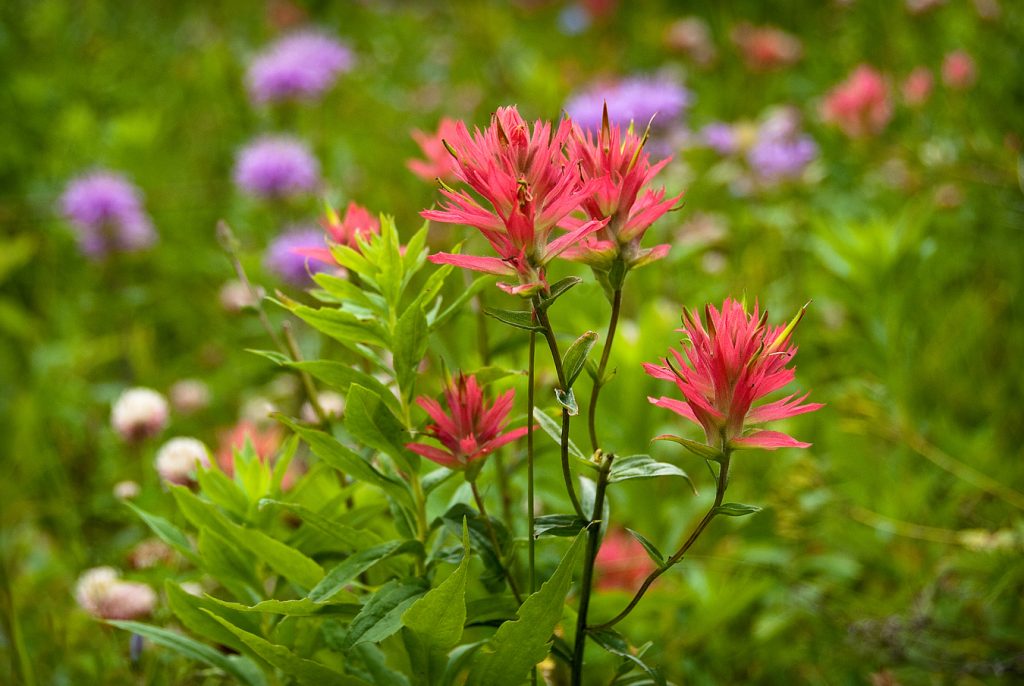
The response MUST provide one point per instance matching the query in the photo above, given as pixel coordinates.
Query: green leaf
(567, 399)
(439, 616)
(305, 671)
(303, 607)
(615, 644)
(409, 346)
(340, 376)
(558, 289)
(697, 448)
(165, 531)
(652, 550)
(558, 525)
(736, 509)
(347, 537)
(274, 356)
(356, 564)
(192, 612)
(518, 645)
(477, 285)
(382, 615)
(328, 449)
(643, 467)
(576, 356)
(373, 425)
(554, 430)
(240, 668)
(479, 533)
(283, 559)
(232, 566)
(219, 488)
(342, 326)
(520, 319)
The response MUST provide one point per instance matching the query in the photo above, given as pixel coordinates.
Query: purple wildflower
(107, 211)
(283, 259)
(720, 137)
(778, 159)
(276, 166)
(301, 66)
(633, 99)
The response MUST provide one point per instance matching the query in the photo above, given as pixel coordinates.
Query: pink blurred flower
(958, 70)
(622, 563)
(729, 364)
(917, 87)
(618, 170)
(765, 47)
(691, 37)
(860, 106)
(265, 441)
(102, 593)
(439, 163)
(138, 414)
(472, 430)
(528, 186)
(358, 224)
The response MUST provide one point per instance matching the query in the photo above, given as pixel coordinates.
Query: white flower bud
(139, 413)
(177, 459)
(126, 490)
(189, 395)
(101, 593)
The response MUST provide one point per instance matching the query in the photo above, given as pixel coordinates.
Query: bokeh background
(888, 553)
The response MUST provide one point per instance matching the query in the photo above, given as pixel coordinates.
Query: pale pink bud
(150, 553)
(101, 593)
(958, 71)
(126, 490)
(139, 413)
(189, 395)
(917, 87)
(235, 296)
(178, 458)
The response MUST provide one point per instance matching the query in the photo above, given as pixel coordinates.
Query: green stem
(422, 529)
(494, 541)
(556, 358)
(723, 482)
(530, 495)
(593, 543)
(602, 365)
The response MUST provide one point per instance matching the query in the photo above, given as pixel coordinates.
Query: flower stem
(723, 482)
(593, 543)
(494, 541)
(556, 358)
(602, 365)
(530, 495)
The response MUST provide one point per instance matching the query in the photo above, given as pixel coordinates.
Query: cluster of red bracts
(529, 183)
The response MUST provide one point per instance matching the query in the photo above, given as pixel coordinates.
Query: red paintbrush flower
(358, 223)
(439, 163)
(472, 430)
(727, 366)
(619, 170)
(528, 187)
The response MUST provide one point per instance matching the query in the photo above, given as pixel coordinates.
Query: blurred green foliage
(878, 558)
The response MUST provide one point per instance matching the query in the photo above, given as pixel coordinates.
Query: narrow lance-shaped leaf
(697, 448)
(382, 615)
(644, 467)
(439, 616)
(520, 644)
(520, 319)
(372, 424)
(736, 509)
(652, 550)
(356, 564)
(242, 669)
(306, 672)
(576, 357)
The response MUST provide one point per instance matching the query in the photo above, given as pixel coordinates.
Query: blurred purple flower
(107, 211)
(636, 99)
(301, 66)
(283, 260)
(778, 159)
(276, 166)
(720, 137)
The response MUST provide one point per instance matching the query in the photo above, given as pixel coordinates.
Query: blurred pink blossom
(860, 106)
